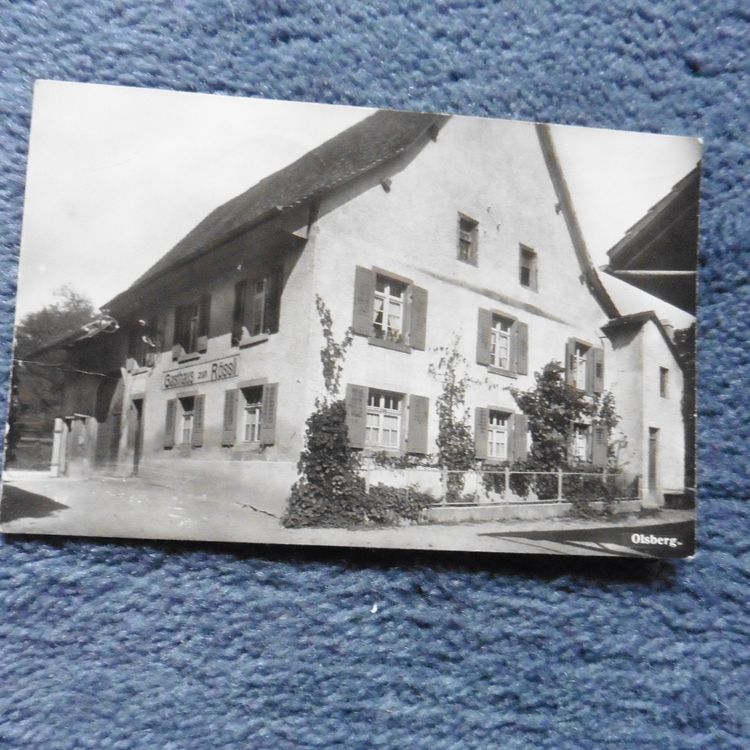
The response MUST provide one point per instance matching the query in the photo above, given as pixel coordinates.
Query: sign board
(205, 372)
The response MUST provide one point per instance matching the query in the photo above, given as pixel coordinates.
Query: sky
(117, 176)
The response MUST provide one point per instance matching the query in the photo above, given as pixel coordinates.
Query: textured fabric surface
(135, 645)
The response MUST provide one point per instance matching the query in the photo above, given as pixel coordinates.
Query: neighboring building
(414, 229)
(659, 254)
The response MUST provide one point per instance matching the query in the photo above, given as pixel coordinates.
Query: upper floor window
(383, 428)
(142, 342)
(256, 307)
(390, 310)
(501, 339)
(502, 343)
(664, 382)
(584, 366)
(191, 326)
(468, 250)
(578, 365)
(528, 268)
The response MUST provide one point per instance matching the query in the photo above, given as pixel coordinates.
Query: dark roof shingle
(375, 140)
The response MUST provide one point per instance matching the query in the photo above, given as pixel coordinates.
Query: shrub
(393, 505)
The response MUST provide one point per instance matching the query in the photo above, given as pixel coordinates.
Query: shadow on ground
(18, 503)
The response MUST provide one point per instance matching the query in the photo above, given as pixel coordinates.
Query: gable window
(497, 435)
(664, 382)
(383, 428)
(256, 308)
(467, 239)
(390, 310)
(502, 343)
(584, 366)
(528, 268)
(191, 326)
(141, 342)
(251, 414)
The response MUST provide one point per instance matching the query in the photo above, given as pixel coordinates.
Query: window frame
(506, 430)
(249, 313)
(381, 412)
(187, 416)
(495, 334)
(257, 407)
(577, 359)
(525, 253)
(388, 300)
(468, 235)
(581, 428)
(664, 382)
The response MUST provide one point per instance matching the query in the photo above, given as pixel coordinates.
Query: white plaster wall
(495, 173)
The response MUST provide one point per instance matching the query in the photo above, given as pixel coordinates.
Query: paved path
(34, 503)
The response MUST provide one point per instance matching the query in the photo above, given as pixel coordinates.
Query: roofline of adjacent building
(623, 246)
(565, 203)
(638, 320)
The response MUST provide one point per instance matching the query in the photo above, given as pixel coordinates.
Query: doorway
(653, 458)
(137, 417)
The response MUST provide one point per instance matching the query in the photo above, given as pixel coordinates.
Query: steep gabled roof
(375, 140)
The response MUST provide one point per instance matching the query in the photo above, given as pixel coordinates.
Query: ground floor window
(187, 420)
(251, 413)
(497, 435)
(581, 439)
(383, 429)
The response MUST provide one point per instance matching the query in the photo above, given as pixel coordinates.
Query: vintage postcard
(260, 321)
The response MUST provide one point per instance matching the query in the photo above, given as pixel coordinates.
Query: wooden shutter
(356, 414)
(418, 318)
(268, 414)
(272, 300)
(600, 447)
(198, 411)
(238, 311)
(520, 427)
(570, 349)
(596, 366)
(484, 334)
(521, 336)
(364, 296)
(481, 431)
(229, 427)
(169, 426)
(419, 413)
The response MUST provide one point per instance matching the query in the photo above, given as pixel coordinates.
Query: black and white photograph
(258, 321)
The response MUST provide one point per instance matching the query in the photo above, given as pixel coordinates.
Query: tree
(330, 491)
(455, 442)
(37, 385)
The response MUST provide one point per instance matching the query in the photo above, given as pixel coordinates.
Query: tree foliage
(37, 388)
(455, 440)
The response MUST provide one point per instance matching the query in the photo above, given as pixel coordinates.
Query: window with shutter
(196, 439)
(419, 415)
(502, 343)
(169, 426)
(528, 268)
(257, 307)
(268, 414)
(356, 414)
(389, 310)
(383, 430)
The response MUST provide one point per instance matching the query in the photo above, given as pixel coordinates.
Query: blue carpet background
(142, 645)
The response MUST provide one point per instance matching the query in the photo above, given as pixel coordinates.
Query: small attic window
(467, 239)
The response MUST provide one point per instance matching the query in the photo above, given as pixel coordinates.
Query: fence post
(506, 494)
(444, 482)
(559, 485)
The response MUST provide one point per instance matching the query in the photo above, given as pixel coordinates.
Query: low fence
(494, 486)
